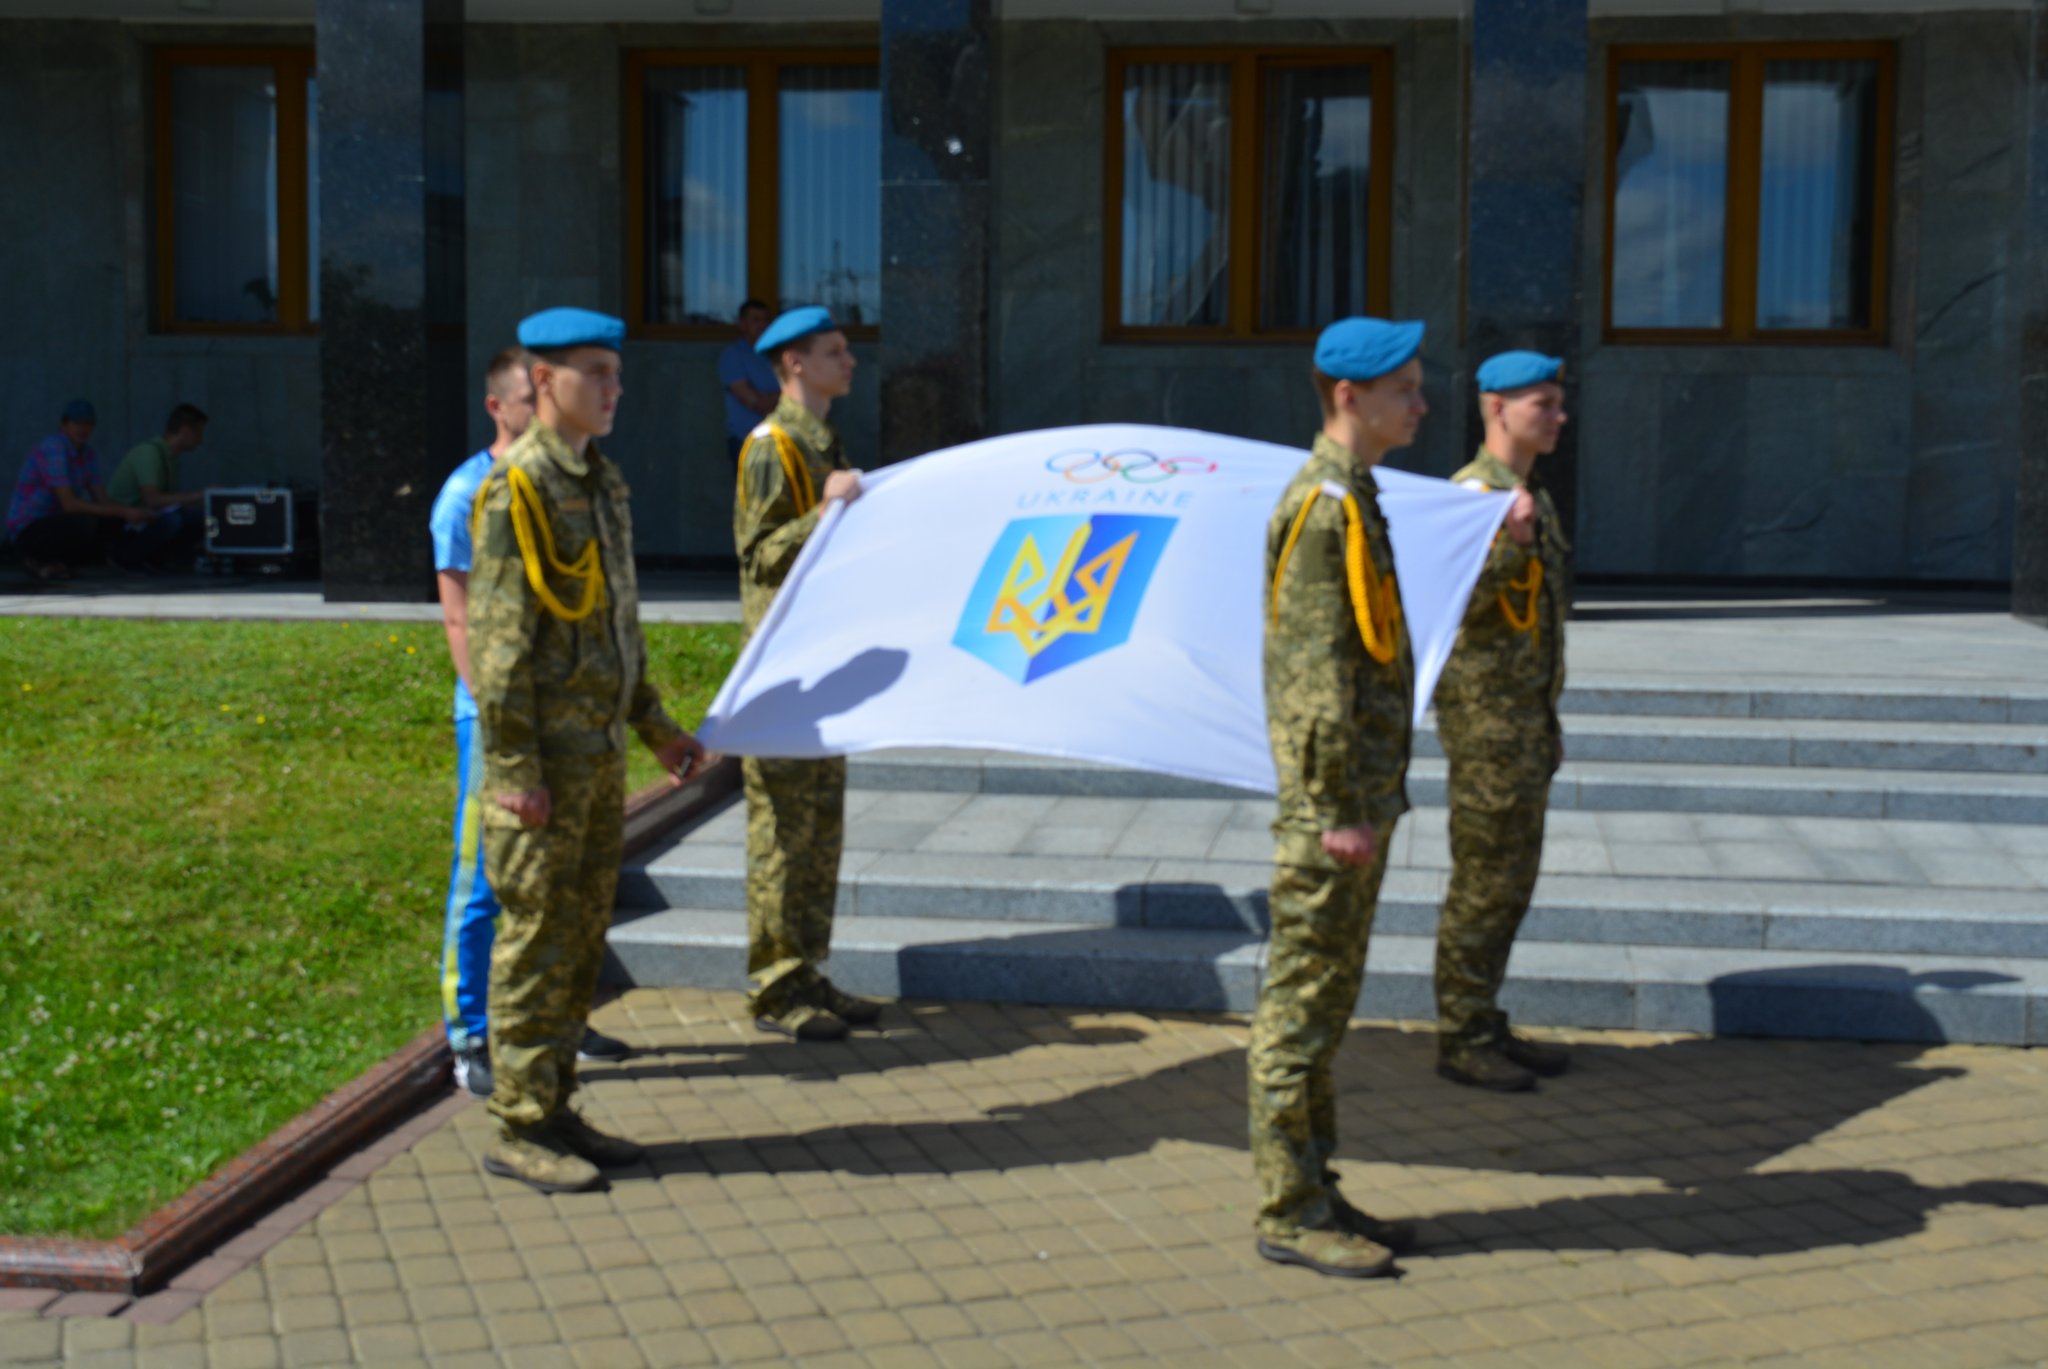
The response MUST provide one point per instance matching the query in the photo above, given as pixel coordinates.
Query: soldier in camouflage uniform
(790, 468)
(1339, 702)
(1496, 709)
(560, 674)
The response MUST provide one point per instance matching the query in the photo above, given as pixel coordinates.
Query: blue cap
(797, 323)
(79, 411)
(1517, 370)
(557, 330)
(1366, 348)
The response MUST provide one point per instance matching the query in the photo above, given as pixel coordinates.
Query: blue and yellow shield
(1059, 590)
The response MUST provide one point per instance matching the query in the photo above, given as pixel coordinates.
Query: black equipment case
(249, 521)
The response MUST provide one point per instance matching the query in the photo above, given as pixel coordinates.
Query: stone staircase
(1802, 862)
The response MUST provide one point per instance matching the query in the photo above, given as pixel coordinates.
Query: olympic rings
(1085, 466)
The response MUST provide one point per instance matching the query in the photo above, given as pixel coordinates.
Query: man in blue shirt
(751, 388)
(472, 915)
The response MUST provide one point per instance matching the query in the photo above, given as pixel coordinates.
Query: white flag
(1094, 593)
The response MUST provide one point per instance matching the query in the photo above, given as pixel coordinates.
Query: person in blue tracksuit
(472, 914)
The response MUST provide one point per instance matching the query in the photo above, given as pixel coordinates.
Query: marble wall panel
(262, 399)
(1789, 494)
(1923, 448)
(1698, 503)
(63, 201)
(1619, 422)
(1428, 264)
(1918, 439)
(1965, 439)
(2030, 506)
(1872, 422)
(1871, 418)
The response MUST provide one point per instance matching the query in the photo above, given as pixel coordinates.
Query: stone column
(1525, 194)
(937, 120)
(2030, 511)
(393, 389)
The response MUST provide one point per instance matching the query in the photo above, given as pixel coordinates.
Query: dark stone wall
(937, 125)
(1918, 459)
(2030, 513)
(1525, 192)
(392, 260)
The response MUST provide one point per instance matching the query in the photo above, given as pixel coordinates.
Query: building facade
(1791, 247)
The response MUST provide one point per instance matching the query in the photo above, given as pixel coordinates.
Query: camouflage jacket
(1338, 716)
(546, 687)
(1505, 674)
(770, 519)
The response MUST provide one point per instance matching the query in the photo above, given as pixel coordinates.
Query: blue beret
(797, 323)
(79, 411)
(1517, 370)
(1366, 348)
(557, 330)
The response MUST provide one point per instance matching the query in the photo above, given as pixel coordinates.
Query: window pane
(224, 194)
(1316, 223)
(1670, 194)
(1176, 194)
(1815, 215)
(830, 140)
(696, 178)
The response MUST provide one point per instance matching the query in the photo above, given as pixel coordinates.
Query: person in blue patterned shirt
(60, 515)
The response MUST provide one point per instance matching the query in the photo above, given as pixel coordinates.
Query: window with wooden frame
(753, 174)
(1748, 192)
(237, 170)
(1248, 192)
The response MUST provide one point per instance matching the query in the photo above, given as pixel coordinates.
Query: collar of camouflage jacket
(1343, 464)
(555, 448)
(1497, 473)
(803, 425)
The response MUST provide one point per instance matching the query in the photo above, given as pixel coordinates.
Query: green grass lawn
(227, 850)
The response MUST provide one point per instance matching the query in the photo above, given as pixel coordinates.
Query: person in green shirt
(147, 478)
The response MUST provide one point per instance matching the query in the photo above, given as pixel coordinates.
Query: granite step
(1971, 748)
(1582, 785)
(1918, 703)
(1810, 744)
(1180, 894)
(1646, 988)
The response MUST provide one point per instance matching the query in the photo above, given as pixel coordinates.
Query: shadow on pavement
(937, 1036)
(1749, 1214)
(1696, 1115)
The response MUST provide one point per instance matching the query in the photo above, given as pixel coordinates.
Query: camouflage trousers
(555, 885)
(1315, 966)
(1499, 791)
(796, 824)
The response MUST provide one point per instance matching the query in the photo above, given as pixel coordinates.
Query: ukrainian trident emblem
(1058, 590)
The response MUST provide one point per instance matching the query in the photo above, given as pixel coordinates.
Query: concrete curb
(155, 1251)
(149, 1254)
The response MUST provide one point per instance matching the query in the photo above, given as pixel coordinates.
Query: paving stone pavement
(995, 1186)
